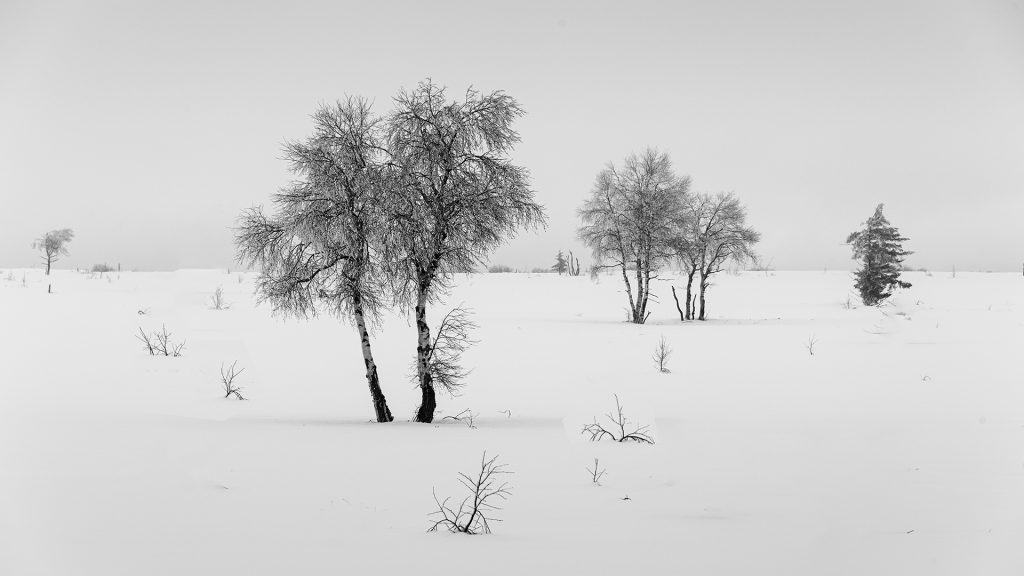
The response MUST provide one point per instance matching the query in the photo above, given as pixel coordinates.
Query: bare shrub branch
(474, 513)
(811, 341)
(661, 355)
(466, 417)
(227, 379)
(620, 430)
(160, 343)
(596, 473)
(217, 301)
(451, 340)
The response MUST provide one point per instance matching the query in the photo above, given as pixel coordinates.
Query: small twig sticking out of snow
(596, 473)
(467, 417)
(811, 341)
(617, 432)
(507, 413)
(475, 513)
(227, 379)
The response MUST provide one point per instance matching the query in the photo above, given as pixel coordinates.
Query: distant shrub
(500, 269)
(540, 271)
(101, 268)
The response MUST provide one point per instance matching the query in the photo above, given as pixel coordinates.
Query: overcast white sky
(147, 126)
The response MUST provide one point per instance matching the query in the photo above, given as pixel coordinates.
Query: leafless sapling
(227, 379)
(810, 344)
(217, 301)
(475, 512)
(596, 473)
(455, 196)
(621, 429)
(661, 355)
(321, 250)
(632, 222)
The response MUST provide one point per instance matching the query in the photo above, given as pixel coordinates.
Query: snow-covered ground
(897, 448)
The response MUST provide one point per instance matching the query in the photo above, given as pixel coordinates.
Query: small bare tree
(596, 473)
(227, 379)
(476, 511)
(217, 301)
(661, 355)
(53, 245)
(633, 221)
(620, 430)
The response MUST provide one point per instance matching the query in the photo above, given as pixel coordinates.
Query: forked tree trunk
(429, 400)
(380, 404)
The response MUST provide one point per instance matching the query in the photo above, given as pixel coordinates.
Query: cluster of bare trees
(641, 218)
(385, 210)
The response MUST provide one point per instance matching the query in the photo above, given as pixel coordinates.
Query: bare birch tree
(53, 245)
(455, 196)
(319, 250)
(633, 222)
(718, 234)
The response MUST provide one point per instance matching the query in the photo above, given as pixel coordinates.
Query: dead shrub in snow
(811, 342)
(475, 513)
(160, 343)
(466, 417)
(661, 354)
(596, 473)
(217, 301)
(621, 428)
(227, 379)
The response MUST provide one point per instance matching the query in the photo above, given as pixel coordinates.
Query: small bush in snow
(160, 343)
(596, 473)
(620, 428)
(661, 354)
(474, 513)
(227, 379)
(811, 342)
(217, 301)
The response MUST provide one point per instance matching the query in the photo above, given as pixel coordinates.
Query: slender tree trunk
(703, 289)
(629, 292)
(638, 312)
(48, 262)
(380, 404)
(689, 294)
(429, 400)
(682, 315)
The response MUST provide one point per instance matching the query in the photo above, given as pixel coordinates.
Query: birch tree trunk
(380, 404)
(429, 400)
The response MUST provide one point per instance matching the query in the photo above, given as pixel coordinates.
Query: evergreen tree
(560, 264)
(879, 247)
